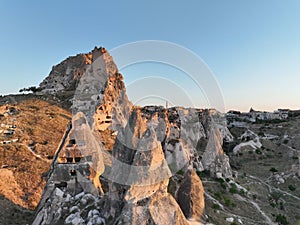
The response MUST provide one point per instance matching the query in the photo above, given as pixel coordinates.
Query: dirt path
(34, 154)
(268, 220)
(230, 214)
(270, 187)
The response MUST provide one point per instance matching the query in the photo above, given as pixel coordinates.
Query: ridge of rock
(116, 161)
(66, 75)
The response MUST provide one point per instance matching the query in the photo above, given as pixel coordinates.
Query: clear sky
(252, 46)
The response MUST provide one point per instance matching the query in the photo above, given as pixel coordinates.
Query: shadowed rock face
(180, 132)
(190, 195)
(142, 149)
(141, 176)
(156, 145)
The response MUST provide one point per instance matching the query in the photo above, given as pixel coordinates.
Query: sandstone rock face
(76, 169)
(145, 157)
(170, 136)
(195, 137)
(142, 176)
(101, 93)
(114, 110)
(161, 209)
(63, 208)
(66, 75)
(79, 161)
(214, 159)
(190, 195)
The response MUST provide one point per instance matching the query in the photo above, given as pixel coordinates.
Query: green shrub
(222, 183)
(291, 187)
(204, 173)
(242, 192)
(274, 170)
(180, 172)
(218, 195)
(228, 201)
(285, 141)
(254, 196)
(216, 206)
(281, 219)
(221, 180)
(258, 151)
(233, 189)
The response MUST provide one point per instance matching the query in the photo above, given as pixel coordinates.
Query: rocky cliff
(124, 164)
(66, 75)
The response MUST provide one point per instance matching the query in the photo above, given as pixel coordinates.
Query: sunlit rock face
(78, 162)
(101, 95)
(76, 168)
(134, 165)
(66, 75)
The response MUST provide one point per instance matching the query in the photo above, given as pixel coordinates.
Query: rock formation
(124, 164)
(190, 195)
(79, 161)
(141, 176)
(66, 75)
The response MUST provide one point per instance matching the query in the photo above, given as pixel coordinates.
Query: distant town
(240, 119)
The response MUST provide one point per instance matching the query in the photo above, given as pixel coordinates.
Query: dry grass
(13, 214)
(40, 123)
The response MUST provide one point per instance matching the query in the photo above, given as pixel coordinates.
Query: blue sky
(252, 47)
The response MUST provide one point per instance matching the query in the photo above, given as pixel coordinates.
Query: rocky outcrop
(76, 169)
(101, 95)
(136, 164)
(160, 209)
(213, 158)
(171, 135)
(190, 195)
(141, 175)
(98, 91)
(250, 141)
(114, 109)
(78, 162)
(63, 208)
(66, 75)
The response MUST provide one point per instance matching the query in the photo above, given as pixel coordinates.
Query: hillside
(118, 160)
(116, 163)
(30, 133)
(272, 171)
